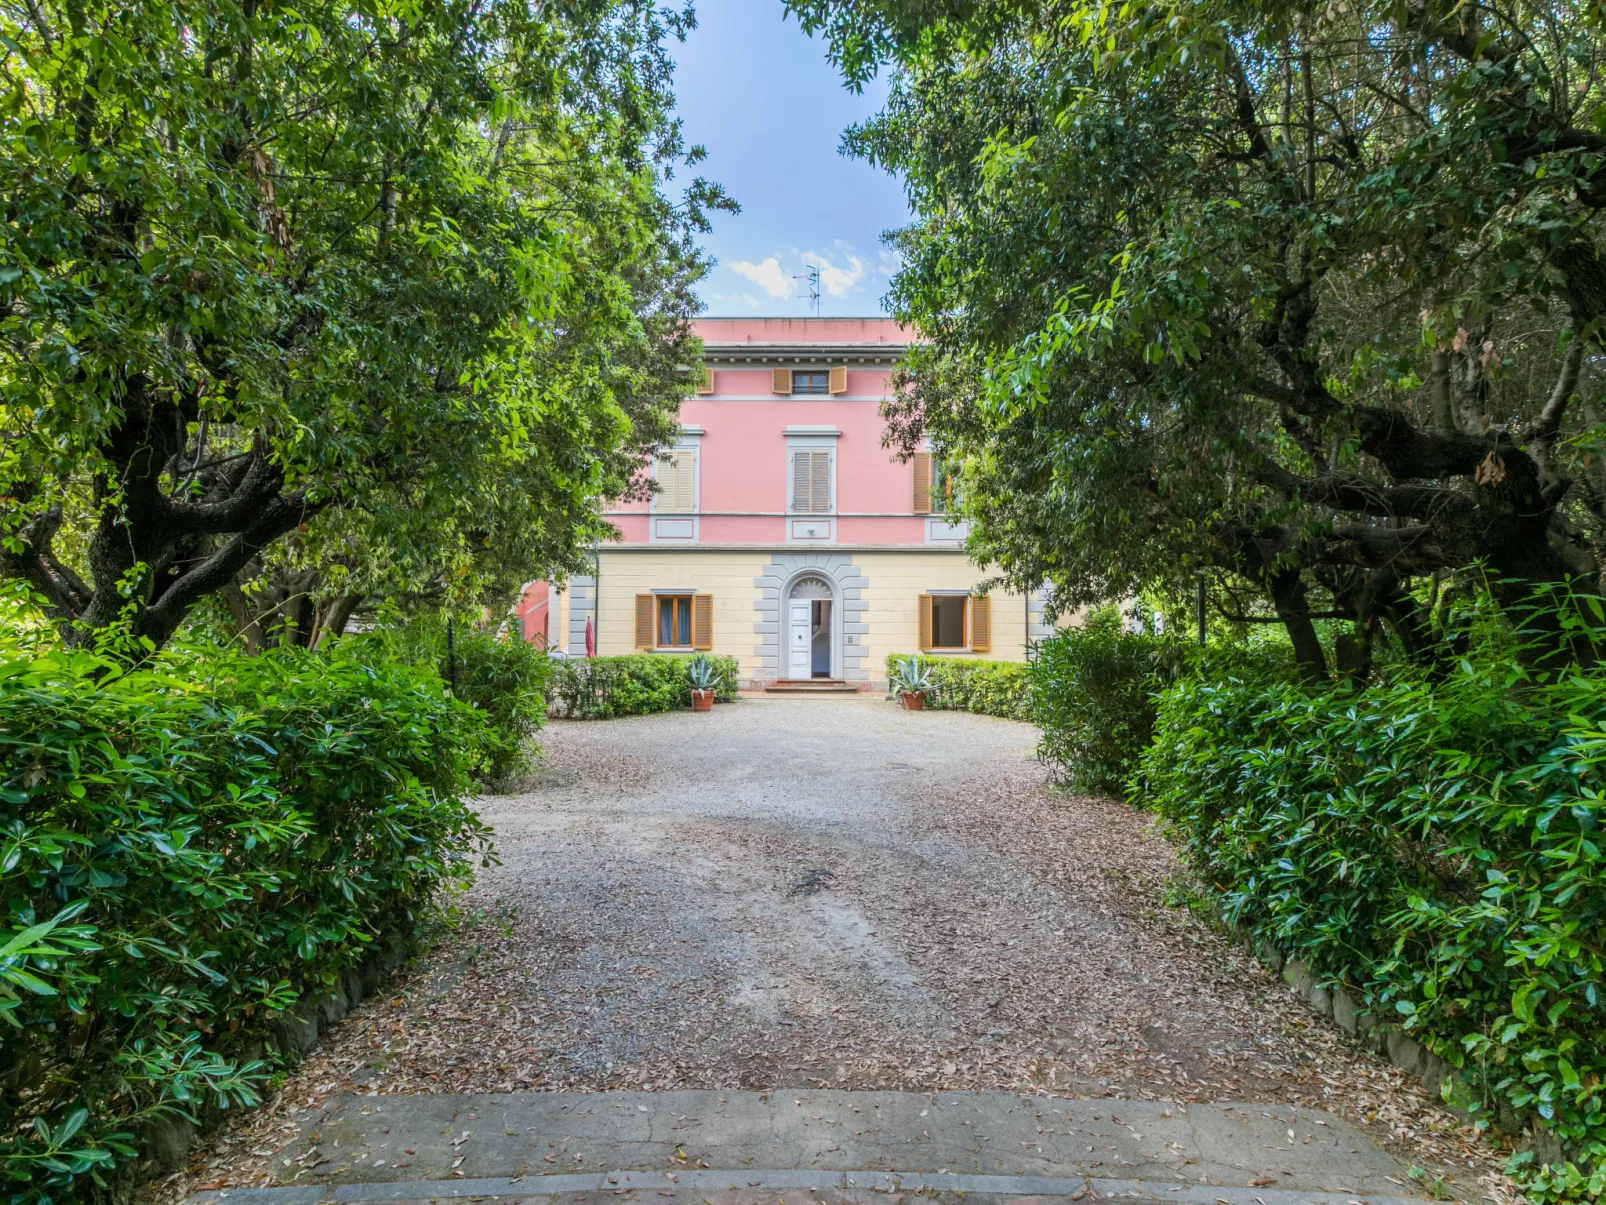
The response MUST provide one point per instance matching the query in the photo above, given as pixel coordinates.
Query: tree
(398, 284)
(1307, 294)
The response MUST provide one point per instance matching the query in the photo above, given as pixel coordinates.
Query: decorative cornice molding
(803, 353)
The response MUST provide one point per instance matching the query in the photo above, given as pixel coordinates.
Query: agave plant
(911, 675)
(702, 674)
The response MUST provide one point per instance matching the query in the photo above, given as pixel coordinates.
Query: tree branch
(65, 592)
(161, 618)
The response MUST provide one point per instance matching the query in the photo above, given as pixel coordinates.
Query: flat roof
(770, 332)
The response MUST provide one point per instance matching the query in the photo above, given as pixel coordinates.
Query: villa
(783, 533)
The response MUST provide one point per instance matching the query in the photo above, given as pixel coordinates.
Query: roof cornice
(801, 353)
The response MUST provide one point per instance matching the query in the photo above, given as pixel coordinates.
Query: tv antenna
(813, 277)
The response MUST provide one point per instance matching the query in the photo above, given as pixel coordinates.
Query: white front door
(799, 640)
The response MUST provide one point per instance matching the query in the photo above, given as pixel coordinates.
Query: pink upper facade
(741, 443)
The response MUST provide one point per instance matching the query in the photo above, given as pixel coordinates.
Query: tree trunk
(1293, 608)
(332, 616)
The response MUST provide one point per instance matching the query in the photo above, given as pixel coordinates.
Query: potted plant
(705, 680)
(911, 679)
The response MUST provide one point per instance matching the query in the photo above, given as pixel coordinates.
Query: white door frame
(791, 607)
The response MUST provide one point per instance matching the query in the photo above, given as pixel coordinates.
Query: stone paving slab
(1259, 1148)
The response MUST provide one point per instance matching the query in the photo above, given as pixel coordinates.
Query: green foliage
(1303, 295)
(1434, 846)
(186, 849)
(504, 678)
(606, 688)
(390, 295)
(1094, 688)
(1001, 688)
(1092, 692)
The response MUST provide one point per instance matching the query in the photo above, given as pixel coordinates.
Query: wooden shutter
(705, 379)
(820, 493)
(665, 499)
(839, 380)
(686, 482)
(781, 381)
(802, 462)
(925, 622)
(677, 483)
(981, 623)
(922, 483)
(702, 621)
(644, 618)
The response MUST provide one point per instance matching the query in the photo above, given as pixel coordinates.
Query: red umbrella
(591, 638)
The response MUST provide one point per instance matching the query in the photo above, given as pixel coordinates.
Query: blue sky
(758, 94)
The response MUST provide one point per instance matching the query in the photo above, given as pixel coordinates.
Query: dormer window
(811, 382)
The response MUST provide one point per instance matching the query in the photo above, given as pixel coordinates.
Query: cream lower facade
(874, 595)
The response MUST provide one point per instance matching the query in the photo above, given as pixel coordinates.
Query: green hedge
(186, 850)
(503, 678)
(1093, 700)
(1095, 692)
(1436, 849)
(1000, 688)
(605, 688)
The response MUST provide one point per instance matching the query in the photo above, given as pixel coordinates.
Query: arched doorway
(810, 622)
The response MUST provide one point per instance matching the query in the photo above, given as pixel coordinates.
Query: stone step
(810, 686)
(767, 1147)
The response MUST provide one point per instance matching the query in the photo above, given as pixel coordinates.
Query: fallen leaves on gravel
(984, 933)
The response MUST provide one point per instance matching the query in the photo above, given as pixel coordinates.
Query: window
(942, 487)
(674, 621)
(791, 381)
(811, 482)
(677, 483)
(954, 622)
(948, 621)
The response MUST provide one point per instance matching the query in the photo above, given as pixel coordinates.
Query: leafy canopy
(400, 281)
(1308, 295)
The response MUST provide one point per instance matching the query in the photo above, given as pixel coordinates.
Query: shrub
(605, 688)
(503, 678)
(1000, 688)
(184, 857)
(1093, 691)
(1435, 848)
(1091, 695)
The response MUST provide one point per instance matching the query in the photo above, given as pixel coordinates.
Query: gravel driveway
(830, 892)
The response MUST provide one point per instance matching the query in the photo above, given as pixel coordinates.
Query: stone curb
(619, 1182)
(1394, 1044)
(165, 1142)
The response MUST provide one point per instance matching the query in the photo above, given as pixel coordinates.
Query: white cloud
(766, 275)
(837, 280)
(746, 299)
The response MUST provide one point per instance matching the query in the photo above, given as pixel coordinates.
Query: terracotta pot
(702, 700)
(914, 700)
